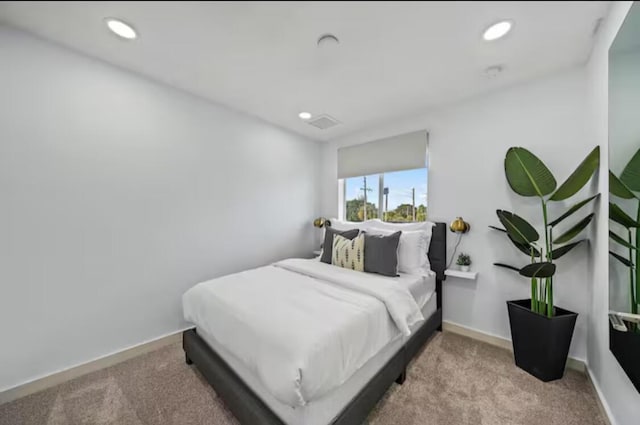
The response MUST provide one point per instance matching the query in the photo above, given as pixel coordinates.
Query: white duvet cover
(302, 326)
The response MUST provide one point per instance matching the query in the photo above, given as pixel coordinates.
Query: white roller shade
(403, 152)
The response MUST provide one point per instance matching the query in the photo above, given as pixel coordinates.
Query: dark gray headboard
(438, 257)
(438, 250)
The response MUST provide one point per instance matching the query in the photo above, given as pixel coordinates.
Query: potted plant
(463, 262)
(625, 345)
(542, 332)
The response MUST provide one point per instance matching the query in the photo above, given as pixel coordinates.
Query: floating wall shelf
(461, 275)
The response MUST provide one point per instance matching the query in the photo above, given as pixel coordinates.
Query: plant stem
(632, 288)
(534, 287)
(539, 296)
(636, 265)
(543, 291)
(534, 295)
(548, 246)
(541, 308)
(550, 279)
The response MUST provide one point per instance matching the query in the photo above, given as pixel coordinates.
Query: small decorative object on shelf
(463, 262)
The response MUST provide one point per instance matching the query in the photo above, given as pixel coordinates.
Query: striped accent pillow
(348, 253)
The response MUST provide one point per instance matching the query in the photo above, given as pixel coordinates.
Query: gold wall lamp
(321, 222)
(459, 226)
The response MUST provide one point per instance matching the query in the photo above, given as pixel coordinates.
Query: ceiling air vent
(323, 122)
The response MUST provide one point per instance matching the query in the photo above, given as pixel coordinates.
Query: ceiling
(394, 58)
(628, 37)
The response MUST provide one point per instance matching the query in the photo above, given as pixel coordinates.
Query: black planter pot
(540, 343)
(625, 346)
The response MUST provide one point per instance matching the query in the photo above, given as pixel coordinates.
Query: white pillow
(426, 226)
(412, 250)
(342, 225)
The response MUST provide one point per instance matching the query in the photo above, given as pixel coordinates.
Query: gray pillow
(327, 246)
(381, 254)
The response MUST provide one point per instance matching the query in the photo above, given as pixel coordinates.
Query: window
(371, 185)
(361, 191)
(398, 197)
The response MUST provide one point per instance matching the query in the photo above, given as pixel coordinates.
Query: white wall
(117, 194)
(467, 144)
(619, 396)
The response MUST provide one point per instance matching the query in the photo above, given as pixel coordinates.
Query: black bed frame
(249, 408)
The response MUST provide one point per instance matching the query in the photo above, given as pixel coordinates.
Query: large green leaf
(631, 174)
(616, 214)
(539, 270)
(573, 209)
(506, 266)
(517, 227)
(559, 252)
(526, 173)
(621, 259)
(525, 248)
(619, 189)
(621, 241)
(579, 177)
(575, 230)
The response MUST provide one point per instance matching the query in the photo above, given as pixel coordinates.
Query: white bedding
(291, 322)
(421, 287)
(325, 409)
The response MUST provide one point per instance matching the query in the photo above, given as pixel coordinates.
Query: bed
(366, 342)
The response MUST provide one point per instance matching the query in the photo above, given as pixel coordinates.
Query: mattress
(323, 410)
(292, 321)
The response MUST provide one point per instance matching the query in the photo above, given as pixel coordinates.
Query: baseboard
(73, 372)
(605, 411)
(498, 341)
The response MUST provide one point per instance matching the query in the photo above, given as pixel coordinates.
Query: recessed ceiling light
(121, 29)
(497, 30)
(328, 40)
(304, 115)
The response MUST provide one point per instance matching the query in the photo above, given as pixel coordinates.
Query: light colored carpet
(455, 381)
